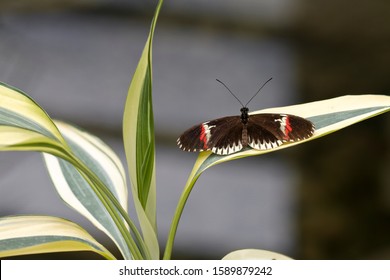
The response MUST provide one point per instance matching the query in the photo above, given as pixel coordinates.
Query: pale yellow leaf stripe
(18, 110)
(20, 235)
(332, 105)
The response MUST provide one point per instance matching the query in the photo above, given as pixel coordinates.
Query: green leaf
(327, 115)
(254, 254)
(22, 235)
(26, 126)
(138, 136)
(76, 191)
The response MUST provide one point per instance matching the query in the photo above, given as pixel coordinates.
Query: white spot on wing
(207, 130)
(234, 148)
(283, 123)
(264, 145)
(225, 151)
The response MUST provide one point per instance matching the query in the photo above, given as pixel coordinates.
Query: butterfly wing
(267, 131)
(222, 136)
(192, 140)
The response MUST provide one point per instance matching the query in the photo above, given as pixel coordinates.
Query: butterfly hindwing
(219, 135)
(296, 128)
(263, 132)
(226, 134)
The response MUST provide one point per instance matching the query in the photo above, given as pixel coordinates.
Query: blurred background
(327, 199)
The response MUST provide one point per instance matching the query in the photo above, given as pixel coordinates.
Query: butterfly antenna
(231, 92)
(258, 91)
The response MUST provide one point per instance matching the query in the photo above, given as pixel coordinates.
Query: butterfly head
(244, 114)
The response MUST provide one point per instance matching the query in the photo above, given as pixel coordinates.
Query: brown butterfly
(231, 134)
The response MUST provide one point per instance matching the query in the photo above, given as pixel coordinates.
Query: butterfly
(228, 135)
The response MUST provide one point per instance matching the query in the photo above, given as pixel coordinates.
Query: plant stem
(179, 210)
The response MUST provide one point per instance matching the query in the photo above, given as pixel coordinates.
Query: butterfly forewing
(191, 141)
(219, 135)
(267, 131)
(300, 128)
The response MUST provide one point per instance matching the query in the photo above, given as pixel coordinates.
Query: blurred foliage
(343, 49)
(107, 6)
(41, 5)
(344, 44)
